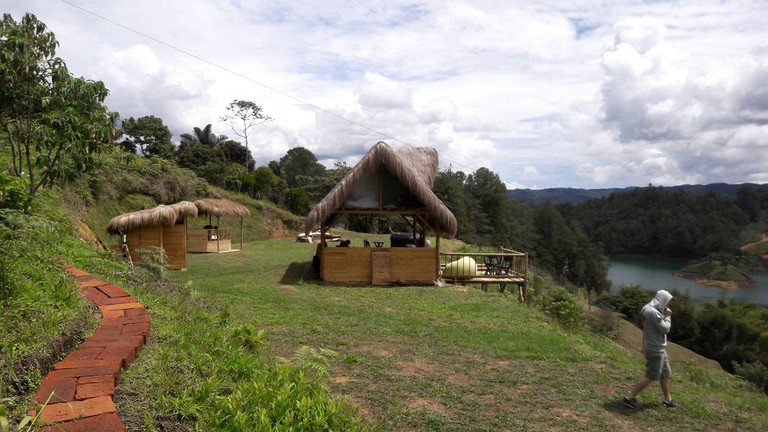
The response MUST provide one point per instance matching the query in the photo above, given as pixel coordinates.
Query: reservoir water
(657, 274)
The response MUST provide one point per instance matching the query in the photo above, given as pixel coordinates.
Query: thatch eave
(220, 207)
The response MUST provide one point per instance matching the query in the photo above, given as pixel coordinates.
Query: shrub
(604, 322)
(560, 305)
(753, 372)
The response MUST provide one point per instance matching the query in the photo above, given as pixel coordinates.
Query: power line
(225, 69)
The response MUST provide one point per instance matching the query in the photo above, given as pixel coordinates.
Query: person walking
(656, 317)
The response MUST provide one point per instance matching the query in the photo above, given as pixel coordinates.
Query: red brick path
(83, 383)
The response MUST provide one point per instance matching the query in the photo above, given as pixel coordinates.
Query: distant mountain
(536, 197)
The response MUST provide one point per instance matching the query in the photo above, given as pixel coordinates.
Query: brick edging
(83, 383)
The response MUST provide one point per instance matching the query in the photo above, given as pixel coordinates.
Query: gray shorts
(657, 365)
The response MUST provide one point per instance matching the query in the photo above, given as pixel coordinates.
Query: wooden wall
(345, 264)
(175, 245)
(171, 238)
(379, 266)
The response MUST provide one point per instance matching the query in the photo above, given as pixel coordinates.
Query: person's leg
(666, 372)
(639, 386)
(653, 371)
(665, 388)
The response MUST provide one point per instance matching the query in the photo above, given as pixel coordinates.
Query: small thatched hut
(387, 180)
(164, 226)
(213, 238)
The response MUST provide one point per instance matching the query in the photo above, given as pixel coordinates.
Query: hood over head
(661, 300)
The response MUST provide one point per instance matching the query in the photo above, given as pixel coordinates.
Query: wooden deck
(502, 268)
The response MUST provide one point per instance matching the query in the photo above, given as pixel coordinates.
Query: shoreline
(727, 285)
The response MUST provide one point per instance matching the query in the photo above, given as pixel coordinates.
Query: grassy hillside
(120, 187)
(250, 341)
(426, 358)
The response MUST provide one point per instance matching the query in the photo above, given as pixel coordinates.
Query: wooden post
(218, 222)
(437, 254)
(241, 233)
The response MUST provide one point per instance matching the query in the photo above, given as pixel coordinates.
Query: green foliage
(56, 124)
(14, 193)
(755, 373)
(656, 221)
(718, 270)
(296, 201)
(562, 306)
(216, 158)
(149, 134)
(604, 322)
(299, 162)
(154, 261)
(157, 178)
(265, 182)
(628, 301)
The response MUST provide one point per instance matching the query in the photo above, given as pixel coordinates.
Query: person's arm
(663, 322)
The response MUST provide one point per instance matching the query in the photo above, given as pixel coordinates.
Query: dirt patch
(427, 405)
(418, 367)
(289, 288)
(565, 413)
(379, 349)
(457, 378)
(604, 390)
(341, 379)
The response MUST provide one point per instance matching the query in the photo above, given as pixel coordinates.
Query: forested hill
(536, 197)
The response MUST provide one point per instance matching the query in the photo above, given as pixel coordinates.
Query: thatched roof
(185, 209)
(415, 168)
(160, 215)
(221, 207)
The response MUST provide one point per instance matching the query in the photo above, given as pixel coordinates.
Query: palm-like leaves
(203, 136)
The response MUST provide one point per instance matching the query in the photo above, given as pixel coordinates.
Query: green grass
(435, 359)
(407, 358)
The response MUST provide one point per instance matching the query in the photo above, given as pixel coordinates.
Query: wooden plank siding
(173, 239)
(378, 266)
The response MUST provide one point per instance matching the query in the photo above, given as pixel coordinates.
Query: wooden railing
(501, 268)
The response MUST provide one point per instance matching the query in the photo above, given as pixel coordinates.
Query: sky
(583, 94)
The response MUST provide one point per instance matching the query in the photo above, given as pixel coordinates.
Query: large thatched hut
(164, 226)
(386, 181)
(214, 238)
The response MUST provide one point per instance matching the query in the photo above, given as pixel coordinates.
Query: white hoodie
(655, 324)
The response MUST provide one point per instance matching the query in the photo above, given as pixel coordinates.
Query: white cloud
(583, 94)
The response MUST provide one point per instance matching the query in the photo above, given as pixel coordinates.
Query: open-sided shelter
(164, 226)
(386, 181)
(214, 238)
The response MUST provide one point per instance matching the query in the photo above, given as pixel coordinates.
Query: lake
(657, 274)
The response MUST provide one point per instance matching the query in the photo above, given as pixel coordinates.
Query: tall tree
(55, 123)
(299, 161)
(149, 134)
(204, 136)
(243, 115)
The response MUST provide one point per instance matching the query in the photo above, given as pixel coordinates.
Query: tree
(55, 123)
(299, 161)
(264, 182)
(296, 201)
(243, 115)
(204, 136)
(149, 134)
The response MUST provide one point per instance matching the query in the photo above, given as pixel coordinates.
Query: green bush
(755, 373)
(562, 306)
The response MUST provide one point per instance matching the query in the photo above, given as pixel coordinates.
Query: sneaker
(632, 403)
(670, 404)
